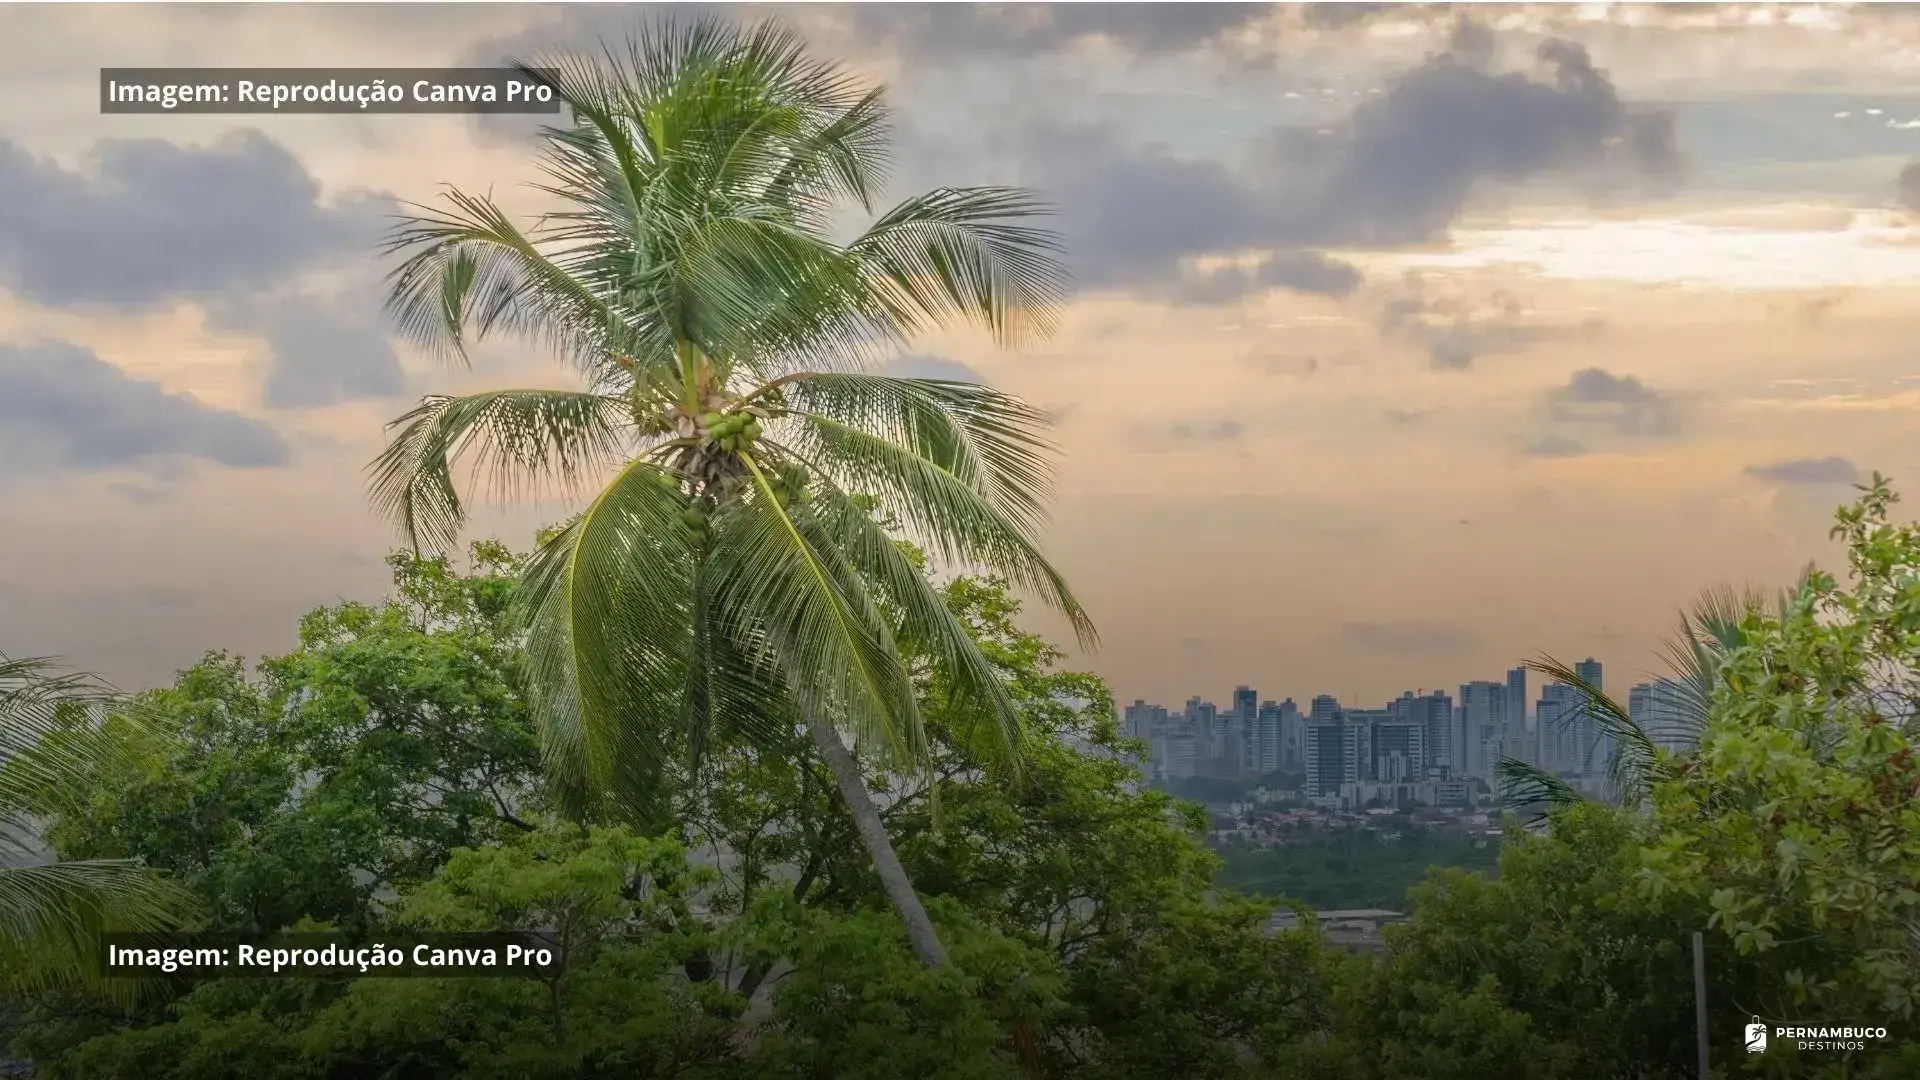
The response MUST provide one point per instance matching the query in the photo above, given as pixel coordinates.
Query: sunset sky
(1408, 342)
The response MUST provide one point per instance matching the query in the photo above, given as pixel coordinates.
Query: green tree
(1086, 901)
(52, 911)
(351, 767)
(728, 577)
(1557, 968)
(1798, 821)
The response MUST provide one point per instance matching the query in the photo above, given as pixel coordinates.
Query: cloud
(145, 220)
(930, 367)
(950, 31)
(1832, 469)
(1300, 271)
(1398, 170)
(1268, 363)
(1909, 184)
(1456, 329)
(61, 405)
(921, 33)
(323, 352)
(1193, 433)
(1409, 636)
(1554, 445)
(1622, 402)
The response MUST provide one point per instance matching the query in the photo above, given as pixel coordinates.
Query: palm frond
(52, 916)
(820, 626)
(1633, 757)
(54, 749)
(965, 466)
(967, 254)
(469, 272)
(606, 607)
(877, 558)
(1527, 788)
(522, 440)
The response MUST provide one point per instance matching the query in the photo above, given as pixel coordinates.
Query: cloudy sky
(1408, 342)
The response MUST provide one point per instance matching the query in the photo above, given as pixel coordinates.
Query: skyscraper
(1594, 747)
(1265, 749)
(1483, 715)
(1293, 737)
(1246, 710)
(1398, 751)
(1658, 707)
(1327, 766)
(1200, 720)
(1516, 740)
(1434, 714)
(1557, 720)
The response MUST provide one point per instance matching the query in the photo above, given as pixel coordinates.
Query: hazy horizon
(1409, 344)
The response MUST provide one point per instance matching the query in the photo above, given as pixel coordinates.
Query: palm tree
(1717, 624)
(51, 754)
(734, 573)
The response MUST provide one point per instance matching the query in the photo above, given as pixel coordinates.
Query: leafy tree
(615, 1011)
(1077, 877)
(727, 579)
(1559, 967)
(52, 910)
(353, 766)
(1797, 821)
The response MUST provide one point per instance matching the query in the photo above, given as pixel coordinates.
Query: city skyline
(1421, 747)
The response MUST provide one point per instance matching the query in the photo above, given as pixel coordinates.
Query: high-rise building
(1596, 748)
(1266, 748)
(1200, 716)
(1328, 765)
(1293, 737)
(1558, 718)
(1482, 717)
(1182, 758)
(1434, 714)
(1659, 708)
(1246, 710)
(1136, 721)
(1516, 740)
(1398, 752)
(1360, 727)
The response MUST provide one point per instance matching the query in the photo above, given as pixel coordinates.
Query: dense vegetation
(1353, 869)
(384, 774)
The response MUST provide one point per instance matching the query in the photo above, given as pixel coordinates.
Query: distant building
(1293, 737)
(1482, 721)
(1328, 766)
(1559, 722)
(1517, 740)
(1659, 708)
(1434, 714)
(1354, 929)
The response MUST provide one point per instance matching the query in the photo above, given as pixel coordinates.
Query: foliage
(52, 749)
(728, 575)
(614, 1012)
(349, 768)
(1556, 968)
(1798, 821)
(1330, 870)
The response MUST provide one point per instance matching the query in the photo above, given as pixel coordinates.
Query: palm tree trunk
(873, 834)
